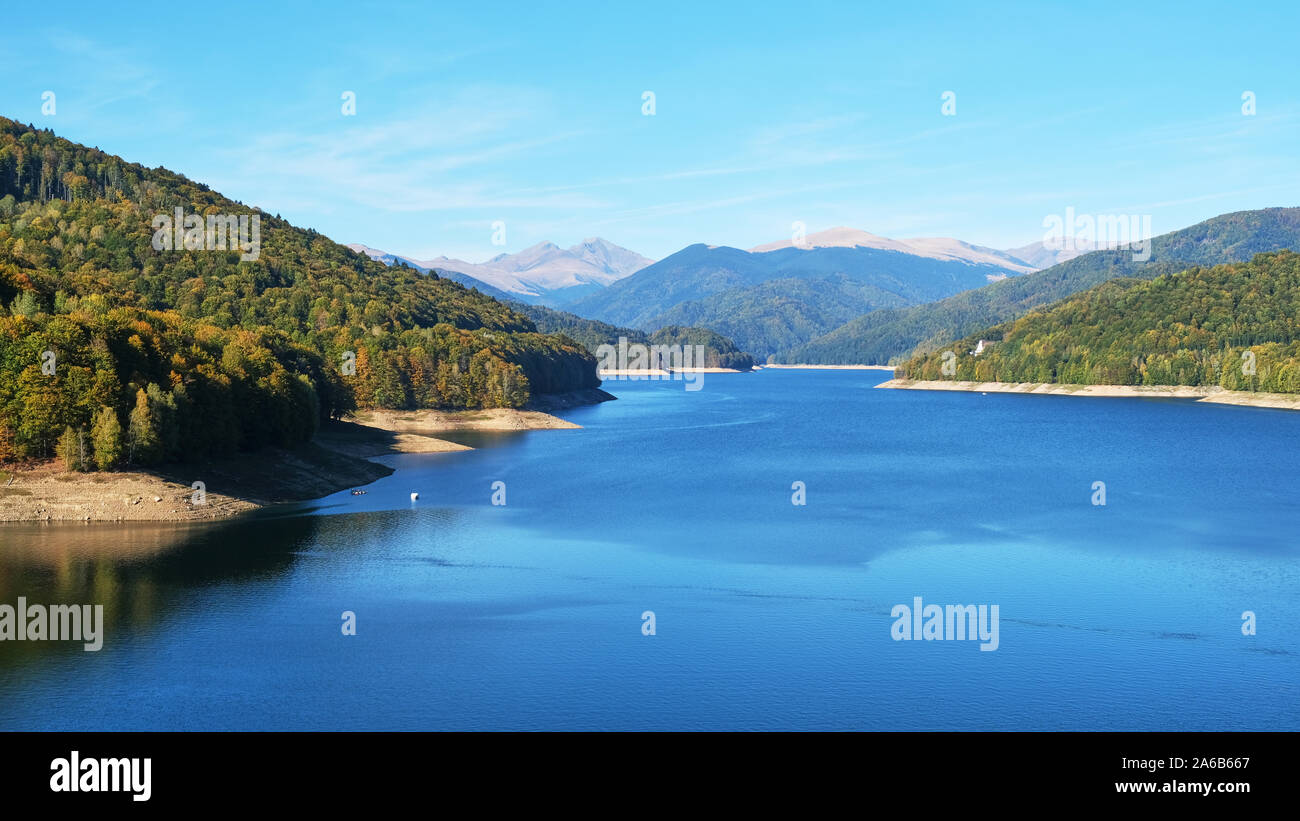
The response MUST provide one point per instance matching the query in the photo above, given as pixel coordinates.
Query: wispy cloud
(425, 161)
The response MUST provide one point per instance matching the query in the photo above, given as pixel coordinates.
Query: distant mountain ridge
(944, 248)
(891, 334)
(1040, 255)
(770, 300)
(543, 273)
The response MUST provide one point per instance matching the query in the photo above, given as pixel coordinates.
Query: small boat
(358, 493)
(414, 496)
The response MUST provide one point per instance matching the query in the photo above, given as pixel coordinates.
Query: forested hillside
(780, 314)
(234, 352)
(719, 351)
(1235, 326)
(893, 334)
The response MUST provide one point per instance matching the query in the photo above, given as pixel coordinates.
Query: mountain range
(843, 295)
(895, 333)
(543, 274)
(770, 299)
(944, 248)
(781, 295)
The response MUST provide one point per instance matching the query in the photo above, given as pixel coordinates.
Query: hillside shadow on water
(138, 572)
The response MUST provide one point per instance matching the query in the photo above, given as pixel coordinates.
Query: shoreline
(646, 373)
(1211, 394)
(834, 367)
(338, 458)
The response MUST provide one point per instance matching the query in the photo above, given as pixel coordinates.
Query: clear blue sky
(530, 113)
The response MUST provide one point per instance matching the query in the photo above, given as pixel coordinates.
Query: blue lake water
(768, 615)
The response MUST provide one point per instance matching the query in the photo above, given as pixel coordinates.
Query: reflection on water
(136, 570)
(480, 439)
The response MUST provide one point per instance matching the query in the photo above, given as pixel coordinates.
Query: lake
(767, 614)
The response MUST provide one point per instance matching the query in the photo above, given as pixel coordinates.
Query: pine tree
(67, 449)
(142, 433)
(107, 437)
(24, 304)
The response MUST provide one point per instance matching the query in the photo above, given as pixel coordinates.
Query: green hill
(246, 351)
(893, 334)
(719, 352)
(1202, 326)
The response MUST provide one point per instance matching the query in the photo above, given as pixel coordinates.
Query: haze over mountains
(1039, 255)
(542, 274)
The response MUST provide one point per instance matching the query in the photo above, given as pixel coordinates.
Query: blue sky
(765, 114)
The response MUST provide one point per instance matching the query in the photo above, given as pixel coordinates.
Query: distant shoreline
(645, 373)
(834, 367)
(1211, 394)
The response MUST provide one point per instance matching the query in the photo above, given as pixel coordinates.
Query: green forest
(1234, 326)
(194, 352)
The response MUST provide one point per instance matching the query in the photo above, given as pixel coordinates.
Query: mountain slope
(1235, 326)
(779, 314)
(884, 336)
(242, 349)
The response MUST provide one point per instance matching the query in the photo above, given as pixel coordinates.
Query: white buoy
(414, 496)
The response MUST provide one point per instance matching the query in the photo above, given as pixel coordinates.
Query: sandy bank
(337, 459)
(44, 491)
(641, 373)
(434, 421)
(1211, 394)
